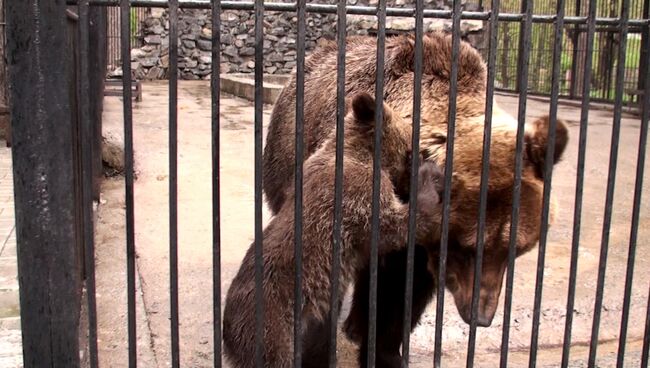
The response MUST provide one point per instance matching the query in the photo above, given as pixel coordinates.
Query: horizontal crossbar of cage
(366, 10)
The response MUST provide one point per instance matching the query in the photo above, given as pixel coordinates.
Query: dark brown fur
(318, 205)
(320, 102)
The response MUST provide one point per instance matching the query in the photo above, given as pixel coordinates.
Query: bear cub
(278, 238)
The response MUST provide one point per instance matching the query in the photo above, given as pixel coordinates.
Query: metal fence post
(44, 182)
(97, 59)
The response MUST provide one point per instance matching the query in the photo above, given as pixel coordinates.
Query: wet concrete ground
(237, 210)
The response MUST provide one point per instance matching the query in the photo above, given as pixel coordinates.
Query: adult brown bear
(320, 110)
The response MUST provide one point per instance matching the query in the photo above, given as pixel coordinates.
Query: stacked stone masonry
(151, 61)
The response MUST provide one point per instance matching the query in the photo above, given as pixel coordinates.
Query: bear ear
(363, 107)
(536, 139)
(364, 112)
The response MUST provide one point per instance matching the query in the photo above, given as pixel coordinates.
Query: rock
(205, 59)
(271, 69)
(157, 12)
(274, 57)
(157, 29)
(224, 68)
(402, 24)
(151, 22)
(470, 25)
(191, 63)
(189, 44)
(137, 54)
(227, 39)
(239, 43)
(155, 73)
(205, 45)
(229, 17)
(140, 72)
(113, 149)
(436, 25)
(188, 36)
(152, 39)
(230, 51)
(247, 51)
(164, 61)
(250, 64)
(206, 33)
(149, 61)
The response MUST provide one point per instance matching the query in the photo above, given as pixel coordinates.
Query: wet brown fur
(318, 204)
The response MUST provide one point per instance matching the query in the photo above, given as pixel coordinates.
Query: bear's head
(396, 137)
(464, 210)
(467, 163)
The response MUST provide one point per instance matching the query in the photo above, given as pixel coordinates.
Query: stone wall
(238, 37)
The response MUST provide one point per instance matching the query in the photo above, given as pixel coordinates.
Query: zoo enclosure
(57, 133)
(574, 37)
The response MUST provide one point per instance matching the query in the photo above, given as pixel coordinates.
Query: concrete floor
(195, 241)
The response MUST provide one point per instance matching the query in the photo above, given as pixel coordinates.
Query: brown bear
(318, 205)
(320, 110)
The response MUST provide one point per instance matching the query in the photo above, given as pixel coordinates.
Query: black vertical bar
(577, 213)
(446, 202)
(376, 177)
(522, 87)
(97, 53)
(300, 101)
(525, 8)
(41, 115)
(574, 58)
(645, 352)
(611, 182)
(548, 175)
(644, 63)
(338, 180)
(173, 179)
(485, 169)
(259, 266)
(216, 180)
(86, 127)
(636, 209)
(125, 42)
(415, 148)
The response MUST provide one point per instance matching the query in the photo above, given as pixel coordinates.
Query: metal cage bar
(173, 181)
(376, 183)
(215, 84)
(548, 176)
(125, 25)
(577, 212)
(87, 178)
(446, 202)
(338, 182)
(259, 263)
(366, 10)
(611, 182)
(522, 81)
(485, 169)
(299, 155)
(415, 163)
